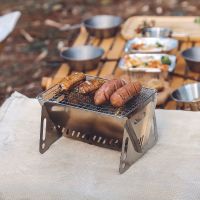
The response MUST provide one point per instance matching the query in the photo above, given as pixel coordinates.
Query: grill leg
(140, 135)
(49, 132)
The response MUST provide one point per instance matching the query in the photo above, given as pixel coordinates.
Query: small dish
(82, 58)
(192, 58)
(159, 32)
(103, 26)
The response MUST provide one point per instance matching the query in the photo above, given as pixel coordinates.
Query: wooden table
(2, 45)
(113, 50)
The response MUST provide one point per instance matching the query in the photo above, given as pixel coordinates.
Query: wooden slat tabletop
(113, 48)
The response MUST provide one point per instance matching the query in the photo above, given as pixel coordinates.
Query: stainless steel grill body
(131, 129)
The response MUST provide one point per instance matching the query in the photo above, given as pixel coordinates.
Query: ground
(24, 61)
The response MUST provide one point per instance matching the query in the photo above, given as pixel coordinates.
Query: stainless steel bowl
(103, 26)
(192, 58)
(187, 97)
(82, 58)
(157, 32)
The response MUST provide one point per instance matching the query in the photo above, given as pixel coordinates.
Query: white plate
(168, 45)
(143, 56)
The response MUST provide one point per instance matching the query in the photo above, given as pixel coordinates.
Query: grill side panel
(91, 127)
(130, 129)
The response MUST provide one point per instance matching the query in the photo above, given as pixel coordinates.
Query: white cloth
(7, 24)
(73, 170)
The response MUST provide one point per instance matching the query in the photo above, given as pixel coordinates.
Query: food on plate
(147, 62)
(145, 24)
(166, 60)
(155, 84)
(106, 90)
(72, 80)
(147, 47)
(158, 44)
(125, 93)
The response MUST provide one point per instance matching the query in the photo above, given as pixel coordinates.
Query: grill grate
(86, 102)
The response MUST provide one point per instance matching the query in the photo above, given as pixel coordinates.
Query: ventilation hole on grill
(141, 140)
(126, 145)
(94, 137)
(44, 130)
(78, 134)
(58, 126)
(43, 145)
(125, 149)
(83, 136)
(63, 130)
(111, 141)
(73, 132)
(116, 141)
(104, 141)
(67, 132)
(99, 139)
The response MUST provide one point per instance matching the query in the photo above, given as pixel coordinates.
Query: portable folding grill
(130, 129)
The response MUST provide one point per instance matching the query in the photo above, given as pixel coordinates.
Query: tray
(171, 68)
(168, 45)
(183, 28)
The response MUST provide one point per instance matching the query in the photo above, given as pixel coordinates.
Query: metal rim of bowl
(159, 28)
(184, 101)
(187, 58)
(102, 28)
(160, 32)
(82, 60)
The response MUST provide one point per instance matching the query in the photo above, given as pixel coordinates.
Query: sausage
(90, 86)
(104, 93)
(125, 93)
(72, 80)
